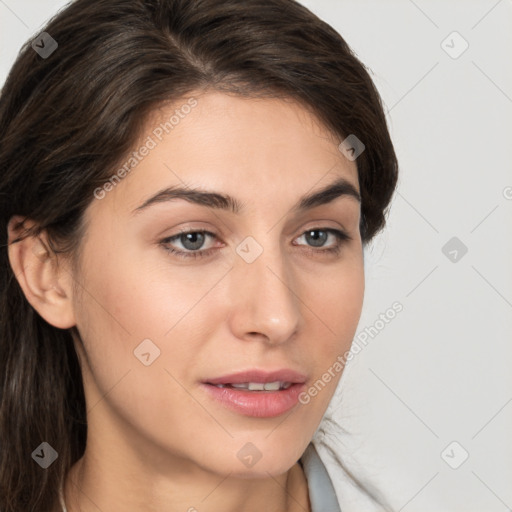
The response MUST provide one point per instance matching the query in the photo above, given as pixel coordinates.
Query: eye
(192, 241)
(311, 235)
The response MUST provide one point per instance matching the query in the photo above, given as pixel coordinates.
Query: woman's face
(267, 294)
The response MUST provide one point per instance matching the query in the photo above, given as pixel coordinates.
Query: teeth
(244, 385)
(256, 386)
(259, 386)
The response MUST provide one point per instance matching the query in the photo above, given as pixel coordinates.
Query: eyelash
(341, 237)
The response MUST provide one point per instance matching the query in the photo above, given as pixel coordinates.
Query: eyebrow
(339, 188)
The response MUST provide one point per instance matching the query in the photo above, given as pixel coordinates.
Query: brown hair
(66, 121)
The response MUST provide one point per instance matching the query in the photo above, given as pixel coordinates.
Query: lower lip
(258, 404)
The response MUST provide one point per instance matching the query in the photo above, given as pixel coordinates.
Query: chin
(257, 459)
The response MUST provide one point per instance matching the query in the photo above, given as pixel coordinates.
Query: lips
(257, 393)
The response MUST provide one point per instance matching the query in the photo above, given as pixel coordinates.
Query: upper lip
(284, 375)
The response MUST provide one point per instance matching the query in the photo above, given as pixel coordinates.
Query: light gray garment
(321, 491)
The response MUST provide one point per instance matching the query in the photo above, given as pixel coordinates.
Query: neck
(90, 487)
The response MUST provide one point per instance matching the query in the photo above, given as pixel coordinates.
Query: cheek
(337, 300)
(336, 304)
(127, 301)
(136, 290)
(135, 296)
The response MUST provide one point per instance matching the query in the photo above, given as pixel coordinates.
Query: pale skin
(156, 441)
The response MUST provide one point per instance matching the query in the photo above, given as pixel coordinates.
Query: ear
(45, 281)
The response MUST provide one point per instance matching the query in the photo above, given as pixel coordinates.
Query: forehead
(258, 150)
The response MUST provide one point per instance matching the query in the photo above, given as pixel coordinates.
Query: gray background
(439, 372)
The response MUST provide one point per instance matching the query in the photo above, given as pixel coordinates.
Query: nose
(264, 302)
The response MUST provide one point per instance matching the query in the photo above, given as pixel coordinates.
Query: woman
(187, 188)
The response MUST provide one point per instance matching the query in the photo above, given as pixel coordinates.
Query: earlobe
(45, 281)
